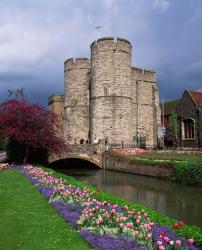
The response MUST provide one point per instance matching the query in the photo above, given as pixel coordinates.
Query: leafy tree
(31, 125)
(173, 127)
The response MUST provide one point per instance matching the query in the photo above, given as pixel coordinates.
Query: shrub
(15, 151)
(3, 144)
(188, 173)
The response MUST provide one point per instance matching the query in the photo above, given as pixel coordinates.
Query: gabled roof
(196, 96)
(169, 106)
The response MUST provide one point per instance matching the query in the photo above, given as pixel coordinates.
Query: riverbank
(180, 166)
(100, 212)
(176, 200)
(28, 221)
(186, 230)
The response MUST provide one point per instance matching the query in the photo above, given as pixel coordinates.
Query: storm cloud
(36, 37)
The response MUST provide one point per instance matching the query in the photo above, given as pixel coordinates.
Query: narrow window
(189, 129)
(105, 91)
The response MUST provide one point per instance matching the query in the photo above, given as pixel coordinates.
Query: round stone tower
(110, 93)
(76, 79)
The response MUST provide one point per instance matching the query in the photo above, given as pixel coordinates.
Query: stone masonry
(56, 104)
(106, 98)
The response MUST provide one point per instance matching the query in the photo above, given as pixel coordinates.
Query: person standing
(81, 141)
(95, 140)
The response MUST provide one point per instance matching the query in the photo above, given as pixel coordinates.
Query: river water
(175, 200)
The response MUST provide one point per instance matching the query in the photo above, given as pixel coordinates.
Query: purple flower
(70, 212)
(106, 242)
(46, 191)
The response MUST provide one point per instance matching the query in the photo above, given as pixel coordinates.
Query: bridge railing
(82, 148)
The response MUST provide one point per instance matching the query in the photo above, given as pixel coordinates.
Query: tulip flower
(178, 243)
(190, 241)
(180, 223)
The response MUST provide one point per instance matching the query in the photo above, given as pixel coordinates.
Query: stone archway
(74, 162)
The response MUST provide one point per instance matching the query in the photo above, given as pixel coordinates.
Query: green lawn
(28, 222)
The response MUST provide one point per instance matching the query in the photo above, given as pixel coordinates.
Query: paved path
(2, 156)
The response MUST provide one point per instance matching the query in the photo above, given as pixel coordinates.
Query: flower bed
(131, 151)
(161, 155)
(102, 224)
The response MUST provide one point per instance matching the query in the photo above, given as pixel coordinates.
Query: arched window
(188, 128)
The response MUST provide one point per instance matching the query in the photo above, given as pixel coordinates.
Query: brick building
(189, 116)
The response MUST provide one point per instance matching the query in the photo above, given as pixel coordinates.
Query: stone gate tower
(110, 96)
(106, 98)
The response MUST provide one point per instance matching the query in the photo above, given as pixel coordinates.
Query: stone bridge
(89, 152)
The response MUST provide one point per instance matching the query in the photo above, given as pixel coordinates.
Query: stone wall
(118, 164)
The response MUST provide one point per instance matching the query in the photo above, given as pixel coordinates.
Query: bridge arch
(88, 152)
(74, 162)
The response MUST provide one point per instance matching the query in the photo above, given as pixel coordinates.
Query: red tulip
(175, 225)
(180, 223)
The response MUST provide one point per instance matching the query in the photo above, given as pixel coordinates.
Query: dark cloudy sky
(36, 36)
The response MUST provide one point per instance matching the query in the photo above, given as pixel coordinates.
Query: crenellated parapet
(144, 74)
(55, 98)
(110, 43)
(77, 63)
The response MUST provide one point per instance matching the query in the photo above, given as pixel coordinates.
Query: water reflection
(178, 201)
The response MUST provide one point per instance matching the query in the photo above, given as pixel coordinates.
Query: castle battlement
(107, 98)
(111, 40)
(149, 75)
(55, 98)
(75, 63)
(111, 43)
(144, 74)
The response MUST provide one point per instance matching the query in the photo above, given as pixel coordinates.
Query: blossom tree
(31, 125)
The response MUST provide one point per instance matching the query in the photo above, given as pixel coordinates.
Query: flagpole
(98, 28)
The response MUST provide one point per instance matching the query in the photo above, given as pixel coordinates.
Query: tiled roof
(169, 106)
(197, 96)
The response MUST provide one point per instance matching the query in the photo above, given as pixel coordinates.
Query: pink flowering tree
(30, 125)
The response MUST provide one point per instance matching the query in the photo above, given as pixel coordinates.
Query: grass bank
(28, 222)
